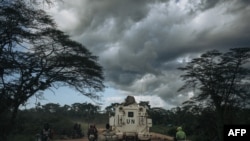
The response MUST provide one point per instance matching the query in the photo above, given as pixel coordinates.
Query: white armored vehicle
(131, 121)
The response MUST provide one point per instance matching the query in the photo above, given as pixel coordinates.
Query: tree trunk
(9, 126)
(219, 123)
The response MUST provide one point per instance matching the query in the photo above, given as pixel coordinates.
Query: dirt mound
(160, 137)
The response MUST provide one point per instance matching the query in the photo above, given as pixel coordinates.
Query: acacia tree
(35, 56)
(222, 80)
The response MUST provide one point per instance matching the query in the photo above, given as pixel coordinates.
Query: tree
(222, 81)
(85, 111)
(157, 113)
(35, 56)
(111, 108)
(51, 108)
(145, 103)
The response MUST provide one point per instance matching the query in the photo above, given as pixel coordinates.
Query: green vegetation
(220, 83)
(35, 56)
(30, 121)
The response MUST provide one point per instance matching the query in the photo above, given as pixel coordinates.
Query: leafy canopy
(35, 56)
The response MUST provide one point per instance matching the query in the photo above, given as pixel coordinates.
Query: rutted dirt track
(155, 137)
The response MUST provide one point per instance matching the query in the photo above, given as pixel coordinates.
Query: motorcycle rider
(92, 132)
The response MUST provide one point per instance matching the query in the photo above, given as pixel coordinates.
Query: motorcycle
(92, 137)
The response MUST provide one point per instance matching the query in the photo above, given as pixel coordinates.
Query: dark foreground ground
(155, 137)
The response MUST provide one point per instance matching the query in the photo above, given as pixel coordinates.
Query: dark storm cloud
(207, 4)
(93, 15)
(140, 43)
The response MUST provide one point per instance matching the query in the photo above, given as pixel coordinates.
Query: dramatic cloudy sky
(141, 43)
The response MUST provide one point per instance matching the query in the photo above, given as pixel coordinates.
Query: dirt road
(155, 137)
(82, 139)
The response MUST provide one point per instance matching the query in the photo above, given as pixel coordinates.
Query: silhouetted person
(46, 132)
(92, 131)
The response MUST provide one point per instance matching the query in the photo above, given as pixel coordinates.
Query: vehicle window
(130, 114)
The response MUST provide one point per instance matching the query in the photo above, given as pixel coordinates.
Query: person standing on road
(180, 135)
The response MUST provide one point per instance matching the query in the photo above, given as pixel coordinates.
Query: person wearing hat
(180, 134)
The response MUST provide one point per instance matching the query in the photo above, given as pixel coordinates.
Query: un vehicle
(130, 122)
